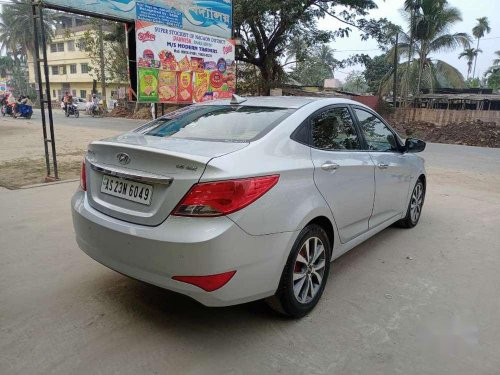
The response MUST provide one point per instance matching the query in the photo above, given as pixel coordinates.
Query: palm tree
(497, 61)
(6, 65)
(325, 54)
(482, 28)
(470, 54)
(431, 21)
(16, 30)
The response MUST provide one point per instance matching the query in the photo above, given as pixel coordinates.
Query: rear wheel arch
(327, 226)
(423, 179)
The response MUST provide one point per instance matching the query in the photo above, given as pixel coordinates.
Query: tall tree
(314, 68)
(115, 51)
(266, 28)
(433, 19)
(355, 82)
(16, 30)
(492, 75)
(469, 54)
(480, 30)
(375, 70)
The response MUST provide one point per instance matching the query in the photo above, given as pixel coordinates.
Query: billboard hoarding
(212, 17)
(176, 66)
(123, 10)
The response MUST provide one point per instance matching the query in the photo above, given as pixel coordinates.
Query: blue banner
(165, 16)
(212, 17)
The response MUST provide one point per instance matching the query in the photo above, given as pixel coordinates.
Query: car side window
(377, 135)
(333, 129)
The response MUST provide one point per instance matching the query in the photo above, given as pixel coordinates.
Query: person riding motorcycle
(68, 100)
(24, 107)
(95, 102)
(11, 103)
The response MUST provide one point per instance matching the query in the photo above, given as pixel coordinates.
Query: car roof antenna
(238, 99)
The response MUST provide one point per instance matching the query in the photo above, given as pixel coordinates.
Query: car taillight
(207, 283)
(83, 177)
(223, 197)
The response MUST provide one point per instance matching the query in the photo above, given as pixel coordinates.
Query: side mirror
(413, 145)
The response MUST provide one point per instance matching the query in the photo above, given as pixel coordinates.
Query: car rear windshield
(222, 123)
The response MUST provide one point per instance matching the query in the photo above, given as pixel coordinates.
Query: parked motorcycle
(72, 110)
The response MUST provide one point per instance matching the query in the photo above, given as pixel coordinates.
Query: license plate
(125, 189)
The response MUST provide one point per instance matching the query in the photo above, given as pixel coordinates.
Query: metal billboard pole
(39, 31)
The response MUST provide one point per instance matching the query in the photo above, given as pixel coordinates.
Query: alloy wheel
(309, 270)
(417, 200)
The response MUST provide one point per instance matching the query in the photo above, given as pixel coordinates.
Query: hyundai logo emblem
(123, 158)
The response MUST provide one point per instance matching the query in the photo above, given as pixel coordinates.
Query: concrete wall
(443, 116)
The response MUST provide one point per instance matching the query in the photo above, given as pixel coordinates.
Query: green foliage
(314, 69)
(492, 75)
(469, 54)
(494, 79)
(376, 69)
(115, 50)
(482, 28)
(428, 24)
(16, 30)
(267, 29)
(355, 82)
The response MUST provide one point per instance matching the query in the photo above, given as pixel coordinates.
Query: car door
(392, 168)
(343, 173)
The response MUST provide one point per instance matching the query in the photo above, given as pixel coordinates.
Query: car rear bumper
(183, 246)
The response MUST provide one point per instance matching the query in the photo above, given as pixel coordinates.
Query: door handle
(383, 166)
(329, 166)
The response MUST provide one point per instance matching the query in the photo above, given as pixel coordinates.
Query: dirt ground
(22, 159)
(469, 133)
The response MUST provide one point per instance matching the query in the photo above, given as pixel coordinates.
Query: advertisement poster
(148, 85)
(167, 86)
(213, 17)
(204, 65)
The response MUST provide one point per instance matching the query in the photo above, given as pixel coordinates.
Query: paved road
(382, 313)
(86, 121)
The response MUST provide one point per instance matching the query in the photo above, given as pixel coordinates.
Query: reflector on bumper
(207, 283)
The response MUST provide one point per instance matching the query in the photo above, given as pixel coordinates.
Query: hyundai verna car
(234, 201)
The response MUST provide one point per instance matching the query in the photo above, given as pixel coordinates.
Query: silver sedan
(234, 201)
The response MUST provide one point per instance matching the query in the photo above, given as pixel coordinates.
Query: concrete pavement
(421, 301)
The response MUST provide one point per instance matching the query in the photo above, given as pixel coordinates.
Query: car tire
(310, 257)
(415, 206)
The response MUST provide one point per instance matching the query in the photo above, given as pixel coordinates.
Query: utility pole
(395, 80)
(103, 70)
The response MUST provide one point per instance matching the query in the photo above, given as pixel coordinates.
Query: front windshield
(224, 123)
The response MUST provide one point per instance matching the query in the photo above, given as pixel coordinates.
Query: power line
(356, 50)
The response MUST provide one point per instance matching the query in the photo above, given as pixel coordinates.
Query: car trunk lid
(168, 167)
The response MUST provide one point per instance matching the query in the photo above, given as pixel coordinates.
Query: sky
(390, 9)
